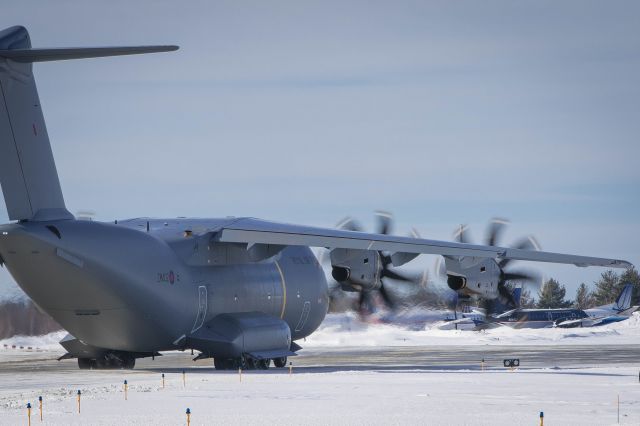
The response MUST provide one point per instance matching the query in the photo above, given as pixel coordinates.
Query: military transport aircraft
(238, 290)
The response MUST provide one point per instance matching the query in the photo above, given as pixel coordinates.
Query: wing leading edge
(255, 231)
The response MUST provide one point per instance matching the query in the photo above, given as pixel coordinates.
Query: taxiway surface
(398, 357)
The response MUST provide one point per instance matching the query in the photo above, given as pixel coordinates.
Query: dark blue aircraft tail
(623, 301)
(500, 307)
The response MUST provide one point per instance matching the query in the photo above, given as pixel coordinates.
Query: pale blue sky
(442, 112)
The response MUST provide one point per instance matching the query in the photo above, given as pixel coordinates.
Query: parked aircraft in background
(471, 316)
(622, 303)
(620, 310)
(617, 311)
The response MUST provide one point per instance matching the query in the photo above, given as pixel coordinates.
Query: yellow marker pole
(79, 393)
(125, 390)
(184, 379)
(541, 418)
(29, 413)
(40, 406)
(240, 373)
(290, 368)
(162, 380)
(188, 417)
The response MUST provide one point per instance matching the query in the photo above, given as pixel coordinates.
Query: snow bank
(348, 330)
(47, 342)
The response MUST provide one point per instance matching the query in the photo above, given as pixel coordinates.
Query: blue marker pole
(40, 404)
(125, 390)
(188, 417)
(541, 418)
(79, 393)
(162, 380)
(29, 413)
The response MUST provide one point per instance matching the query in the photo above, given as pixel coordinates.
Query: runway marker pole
(29, 413)
(184, 379)
(188, 417)
(541, 418)
(482, 365)
(618, 408)
(290, 367)
(125, 390)
(79, 393)
(162, 380)
(240, 373)
(40, 406)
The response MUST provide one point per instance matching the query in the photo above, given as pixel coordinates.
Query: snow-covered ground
(348, 330)
(333, 395)
(567, 397)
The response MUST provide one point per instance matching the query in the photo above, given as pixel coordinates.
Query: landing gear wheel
(129, 363)
(280, 362)
(84, 363)
(250, 363)
(100, 364)
(235, 363)
(263, 364)
(220, 364)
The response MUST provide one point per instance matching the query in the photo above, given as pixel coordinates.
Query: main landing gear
(108, 362)
(248, 363)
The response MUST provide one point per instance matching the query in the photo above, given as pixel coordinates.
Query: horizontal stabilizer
(61, 54)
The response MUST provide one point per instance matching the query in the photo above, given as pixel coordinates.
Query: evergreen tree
(584, 298)
(551, 295)
(607, 288)
(526, 299)
(631, 276)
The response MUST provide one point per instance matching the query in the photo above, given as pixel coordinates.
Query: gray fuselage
(140, 285)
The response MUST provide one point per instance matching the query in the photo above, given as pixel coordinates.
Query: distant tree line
(24, 318)
(552, 294)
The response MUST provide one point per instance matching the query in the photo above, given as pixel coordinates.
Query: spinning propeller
(494, 232)
(366, 298)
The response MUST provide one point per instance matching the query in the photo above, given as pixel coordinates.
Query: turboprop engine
(471, 275)
(487, 278)
(369, 272)
(356, 270)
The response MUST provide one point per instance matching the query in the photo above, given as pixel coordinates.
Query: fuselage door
(202, 308)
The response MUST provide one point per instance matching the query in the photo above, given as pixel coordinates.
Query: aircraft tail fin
(517, 295)
(28, 172)
(623, 302)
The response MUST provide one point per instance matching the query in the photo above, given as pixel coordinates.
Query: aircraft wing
(255, 231)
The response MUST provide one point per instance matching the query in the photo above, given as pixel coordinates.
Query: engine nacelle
(359, 269)
(473, 276)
